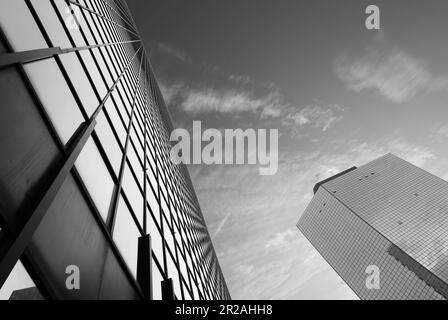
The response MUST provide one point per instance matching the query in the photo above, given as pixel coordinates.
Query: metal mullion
(115, 15)
(165, 267)
(68, 80)
(145, 196)
(95, 61)
(99, 15)
(198, 262)
(127, 87)
(135, 149)
(139, 128)
(19, 242)
(101, 9)
(152, 188)
(157, 262)
(45, 53)
(130, 15)
(130, 19)
(184, 257)
(81, 60)
(119, 37)
(122, 9)
(134, 30)
(104, 60)
(78, 100)
(57, 59)
(193, 256)
(128, 84)
(177, 256)
(119, 15)
(106, 28)
(105, 38)
(117, 190)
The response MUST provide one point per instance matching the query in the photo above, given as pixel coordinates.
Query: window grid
(107, 45)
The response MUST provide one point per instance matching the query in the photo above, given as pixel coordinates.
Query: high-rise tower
(86, 183)
(383, 227)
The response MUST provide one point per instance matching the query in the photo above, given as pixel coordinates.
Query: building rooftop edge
(317, 185)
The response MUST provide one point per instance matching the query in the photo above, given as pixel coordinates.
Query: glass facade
(388, 214)
(85, 173)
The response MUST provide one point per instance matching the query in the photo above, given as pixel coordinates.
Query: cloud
(440, 134)
(391, 73)
(170, 92)
(281, 239)
(168, 49)
(241, 79)
(243, 95)
(317, 117)
(206, 100)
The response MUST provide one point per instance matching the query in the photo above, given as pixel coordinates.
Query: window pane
(108, 141)
(152, 200)
(117, 123)
(23, 34)
(96, 177)
(56, 97)
(126, 236)
(81, 83)
(51, 23)
(74, 21)
(94, 73)
(156, 283)
(135, 163)
(121, 108)
(156, 239)
(174, 274)
(133, 193)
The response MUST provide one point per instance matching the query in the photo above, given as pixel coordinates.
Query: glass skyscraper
(87, 187)
(384, 223)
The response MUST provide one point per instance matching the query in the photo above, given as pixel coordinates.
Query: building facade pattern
(390, 214)
(85, 172)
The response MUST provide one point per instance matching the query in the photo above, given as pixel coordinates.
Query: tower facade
(383, 227)
(91, 207)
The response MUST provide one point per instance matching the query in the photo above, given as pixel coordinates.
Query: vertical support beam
(144, 265)
(167, 289)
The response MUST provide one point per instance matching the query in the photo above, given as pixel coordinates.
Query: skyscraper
(91, 207)
(383, 227)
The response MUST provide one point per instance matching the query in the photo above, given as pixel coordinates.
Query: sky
(339, 94)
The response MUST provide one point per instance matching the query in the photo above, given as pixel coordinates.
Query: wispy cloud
(440, 134)
(390, 72)
(241, 79)
(317, 116)
(281, 239)
(200, 100)
(207, 99)
(169, 49)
